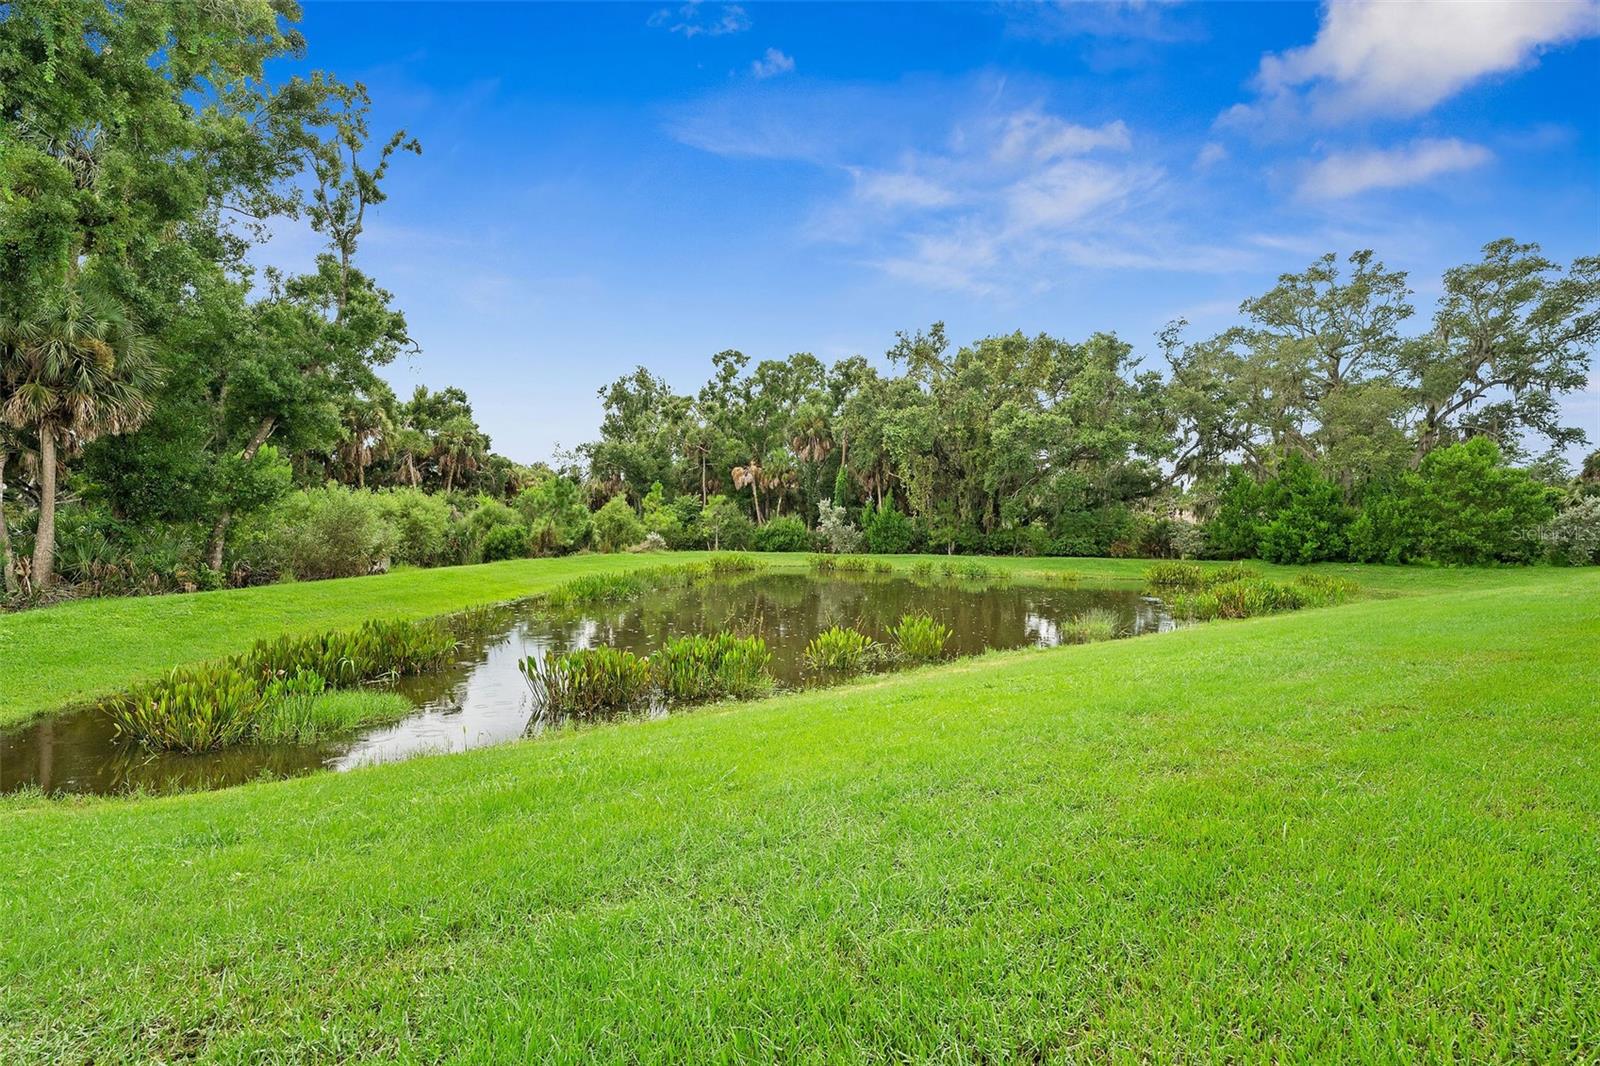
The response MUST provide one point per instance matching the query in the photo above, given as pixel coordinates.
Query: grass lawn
(1365, 833)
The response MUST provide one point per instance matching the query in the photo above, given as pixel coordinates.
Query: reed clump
(919, 638)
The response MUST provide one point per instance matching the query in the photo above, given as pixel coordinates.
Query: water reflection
(482, 698)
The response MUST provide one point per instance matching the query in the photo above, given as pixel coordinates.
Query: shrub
(192, 709)
(1095, 624)
(839, 650)
(421, 525)
(727, 564)
(1471, 509)
(920, 638)
(723, 525)
(1321, 590)
(615, 526)
(840, 564)
(556, 516)
(588, 681)
(724, 666)
(887, 531)
(834, 528)
(1234, 532)
(1305, 517)
(505, 542)
(652, 542)
(1573, 537)
(783, 534)
(331, 532)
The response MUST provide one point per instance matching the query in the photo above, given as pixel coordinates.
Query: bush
(920, 638)
(330, 532)
(834, 528)
(1305, 517)
(783, 534)
(556, 516)
(839, 650)
(1234, 531)
(421, 525)
(724, 526)
(615, 526)
(1174, 576)
(1573, 537)
(887, 531)
(1471, 509)
(505, 542)
(589, 681)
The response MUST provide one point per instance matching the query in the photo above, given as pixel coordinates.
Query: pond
(482, 699)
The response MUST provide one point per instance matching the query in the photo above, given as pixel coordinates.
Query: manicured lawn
(76, 651)
(1366, 833)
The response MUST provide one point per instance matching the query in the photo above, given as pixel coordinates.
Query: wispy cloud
(1345, 174)
(694, 19)
(1147, 20)
(1378, 57)
(772, 64)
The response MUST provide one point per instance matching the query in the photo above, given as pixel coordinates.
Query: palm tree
(77, 371)
(458, 447)
(368, 431)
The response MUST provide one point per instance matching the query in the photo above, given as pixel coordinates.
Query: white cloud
(772, 64)
(896, 189)
(1374, 57)
(688, 20)
(1211, 153)
(1345, 174)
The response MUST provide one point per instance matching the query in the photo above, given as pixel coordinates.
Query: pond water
(482, 699)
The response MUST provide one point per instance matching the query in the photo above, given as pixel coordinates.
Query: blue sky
(609, 185)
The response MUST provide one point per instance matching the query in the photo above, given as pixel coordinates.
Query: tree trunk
(219, 528)
(702, 479)
(44, 542)
(5, 533)
(754, 495)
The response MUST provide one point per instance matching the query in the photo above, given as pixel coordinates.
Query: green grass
(1360, 833)
(330, 714)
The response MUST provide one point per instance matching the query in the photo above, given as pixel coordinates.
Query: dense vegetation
(172, 418)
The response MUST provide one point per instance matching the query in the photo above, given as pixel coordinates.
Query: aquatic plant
(191, 709)
(840, 650)
(921, 570)
(727, 564)
(920, 638)
(592, 590)
(723, 666)
(1230, 572)
(1095, 624)
(840, 564)
(307, 718)
(372, 650)
(1174, 575)
(588, 681)
(972, 570)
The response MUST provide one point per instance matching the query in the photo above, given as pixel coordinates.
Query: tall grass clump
(841, 564)
(307, 718)
(919, 638)
(1247, 597)
(729, 564)
(1321, 590)
(591, 590)
(697, 668)
(1174, 575)
(192, 709)
(589, 681)
(373, 650)
(840, 650)
(972, 570)
(1095, 624)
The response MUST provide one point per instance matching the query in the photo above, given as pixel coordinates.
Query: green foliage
(1240, 593)
(421, 525)
(506, 542)
(556, 516)
(192, 709)
(834, 529)
(840, 564)
(1304, 517)
(588, 681)
(919, 638)
(1095, 624)
(1235, 531)
(616, 527)
(326, 532)
(840, 651)
(887, 531)
(724, 526)
(1174, 576)
(1573, 536)
(724, 666)
(595, 589)
(307, 719)
(1471, 509)
(972, 570)
(785, 533)
(374, 649)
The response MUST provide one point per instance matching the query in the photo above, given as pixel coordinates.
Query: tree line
(171, 416)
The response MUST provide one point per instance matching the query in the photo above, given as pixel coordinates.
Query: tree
(556, 516)
(616, 526)
(76, 372)
(1470, 508)
(1511, 335)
